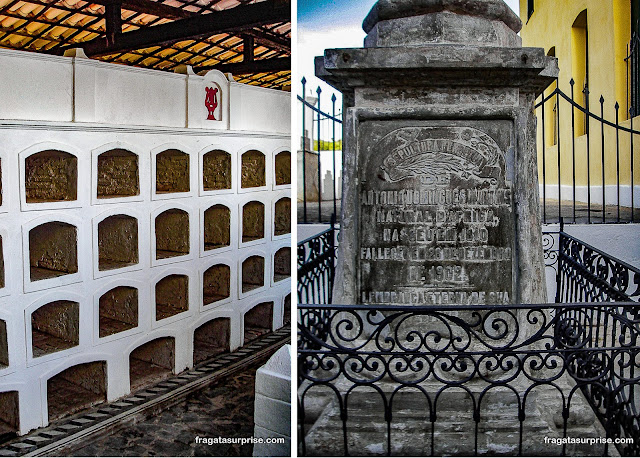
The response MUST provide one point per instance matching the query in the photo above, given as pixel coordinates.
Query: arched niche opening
(252, 169)
(282, 264)
(216, 283)
(55, 327)
(172, 172)
(172, 233)
(282, 217)
(51, 176)
(172, 296)
(286, 319)
(118, 174)
(252, 221)
(118, 310)
(76, 388)
(211, 339)
(217, 227)
(283, 168)
(151, 362)
(216, 170)
(9, 415)
(53, 250)
(117, 242)
(252, 273)
(257, 321)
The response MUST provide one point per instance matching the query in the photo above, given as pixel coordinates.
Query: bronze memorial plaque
(436, 219)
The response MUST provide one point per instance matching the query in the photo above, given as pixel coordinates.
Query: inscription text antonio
(435, 215)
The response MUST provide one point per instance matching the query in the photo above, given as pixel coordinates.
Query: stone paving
(223, 409)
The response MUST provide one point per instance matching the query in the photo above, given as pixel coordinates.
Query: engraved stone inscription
(436, 213)
(216, 170)
(118, 174)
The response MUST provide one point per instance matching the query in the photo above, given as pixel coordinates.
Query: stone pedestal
(440, 193)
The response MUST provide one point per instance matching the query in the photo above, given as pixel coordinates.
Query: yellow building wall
(609, 30)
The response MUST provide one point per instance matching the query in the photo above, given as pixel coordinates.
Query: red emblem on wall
(211, 102)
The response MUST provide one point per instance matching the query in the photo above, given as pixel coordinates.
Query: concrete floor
(224, 409)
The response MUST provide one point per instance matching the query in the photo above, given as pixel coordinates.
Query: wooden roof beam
(271, 40)
(275, 64)
(150, 7)
(234, 20)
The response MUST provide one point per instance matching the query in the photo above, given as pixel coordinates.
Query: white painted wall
(50, 88)
(145, 112)
(272, 408)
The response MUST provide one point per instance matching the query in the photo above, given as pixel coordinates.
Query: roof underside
(251, 39)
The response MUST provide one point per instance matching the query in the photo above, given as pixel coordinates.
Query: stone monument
(439, 207)
(440, 188)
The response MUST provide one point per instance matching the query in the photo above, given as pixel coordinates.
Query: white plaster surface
(272, 411)
(621, 241)
(41, 114)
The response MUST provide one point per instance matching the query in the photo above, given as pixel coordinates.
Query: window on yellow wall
(580, 69)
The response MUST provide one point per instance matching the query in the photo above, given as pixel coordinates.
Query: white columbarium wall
(84, 108)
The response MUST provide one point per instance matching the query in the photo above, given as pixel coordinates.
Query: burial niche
(55, 327)
(172, 296)
(51, 176)
(117, 242)
(252, 221)
(253, 170)
(4, 347)
(217, 227)
(282, 264)
(216, 283)
(283, 168)
(216, 170)
(252, 273)
(211, 339)
(282, 217)
(9, 415)
(53, 250)
(172, 172)
(151, 362)
(172, 233)
(76, 388)
(118, 174)
(257, 321)
(118, 310)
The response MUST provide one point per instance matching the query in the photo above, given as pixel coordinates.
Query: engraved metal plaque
(436, 220)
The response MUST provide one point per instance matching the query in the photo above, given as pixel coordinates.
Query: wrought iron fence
(588, 163)
(316, 267)
(381, 374)
(587, 274)
(318, 136)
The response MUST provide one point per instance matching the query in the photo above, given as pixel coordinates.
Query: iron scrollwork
(591, 349)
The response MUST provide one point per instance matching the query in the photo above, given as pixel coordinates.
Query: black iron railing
(319, 135)
(382, 374)
(587, 274)
(584, 158)
(316, 267)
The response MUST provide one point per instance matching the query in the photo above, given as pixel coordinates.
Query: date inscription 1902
(435, 217)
